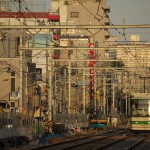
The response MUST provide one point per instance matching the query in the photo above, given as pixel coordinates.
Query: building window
(74, 14)
(12, 104)
(13, 74)
(12, 81)
(12, 84)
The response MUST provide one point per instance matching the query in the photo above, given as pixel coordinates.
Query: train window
(140, 108)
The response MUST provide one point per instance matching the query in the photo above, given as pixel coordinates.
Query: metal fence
(15, 124)
(14, 120)
(75, 120)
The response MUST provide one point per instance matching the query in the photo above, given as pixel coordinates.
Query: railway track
(121, 139)
(111, 140)
(84, 142)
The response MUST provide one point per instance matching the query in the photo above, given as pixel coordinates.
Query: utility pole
(22, 82)
(113, 96)
(21, 70)
(69, 87)
(46, 99)
(50, 88)
(64, 92)
(19, 5)
(47, 73)
(126, 101)
(104, 94)
(21, 78)
(124, 28)
(83, 93)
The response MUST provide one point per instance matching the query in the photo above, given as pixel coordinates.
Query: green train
(140, 112)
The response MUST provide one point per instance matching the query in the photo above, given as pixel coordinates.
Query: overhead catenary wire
(9, 35)
(64, 48)
(109, 33)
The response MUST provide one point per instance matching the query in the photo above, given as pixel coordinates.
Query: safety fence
(31, 132)
(76, 119)
(81, 120)
(14, 120)
(14, 124)
(13, 132)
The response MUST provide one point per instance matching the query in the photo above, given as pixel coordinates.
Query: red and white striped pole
(91, 78)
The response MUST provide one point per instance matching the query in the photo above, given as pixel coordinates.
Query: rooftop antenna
(124, 28)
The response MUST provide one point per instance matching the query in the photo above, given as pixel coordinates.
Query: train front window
(140, 107)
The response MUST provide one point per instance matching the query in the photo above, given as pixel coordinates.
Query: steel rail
(79, 141)
(137, 143)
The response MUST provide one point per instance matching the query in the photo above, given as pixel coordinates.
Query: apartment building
(10, 68)
(18, 67)
(135, 56)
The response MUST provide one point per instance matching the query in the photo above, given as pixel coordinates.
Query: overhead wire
(84, 54)
(109, 32)
(22, 22)
(40, 34)
(124, 35)
(124, 38)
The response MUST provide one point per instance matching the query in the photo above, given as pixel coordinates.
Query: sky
(131, 11)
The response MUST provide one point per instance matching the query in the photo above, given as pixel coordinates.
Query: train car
(140, 112)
